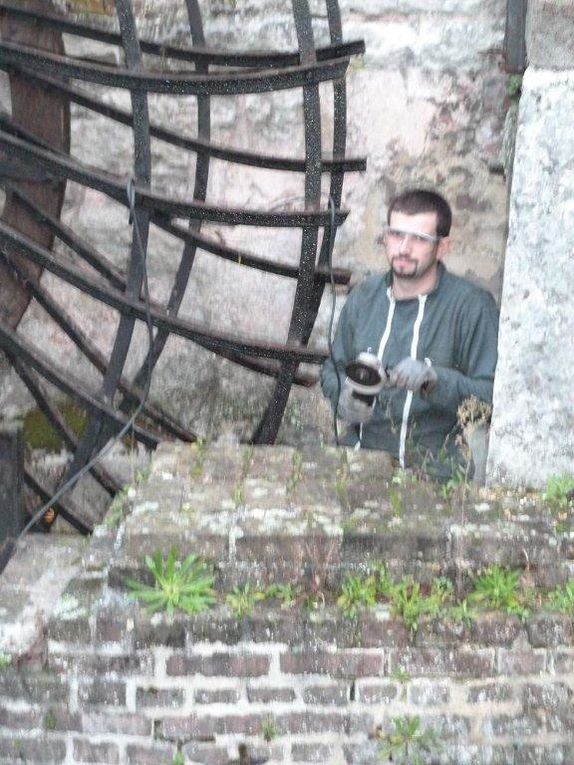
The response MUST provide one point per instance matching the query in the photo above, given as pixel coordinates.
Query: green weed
(296, 472)
(499, 589)
(178, 759)
(115, 512)
(458, 478)
(559, 492)
(358, 592)
(178, 585)
(462, 613)
(409, 744)
(284, 593)
(269, 729)
(243, 599)
(408, 602)
(5, 660)
(562, 598)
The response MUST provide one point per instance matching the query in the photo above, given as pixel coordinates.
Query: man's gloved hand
(414, 375)
(351, 409)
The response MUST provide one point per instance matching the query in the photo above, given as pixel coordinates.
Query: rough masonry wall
(532, 436)
(426, 106)
(103, 682)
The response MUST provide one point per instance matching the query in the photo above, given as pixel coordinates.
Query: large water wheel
(37, 170)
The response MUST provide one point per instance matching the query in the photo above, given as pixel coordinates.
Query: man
(435, 335)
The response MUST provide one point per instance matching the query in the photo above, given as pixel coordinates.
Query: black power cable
(71, 482)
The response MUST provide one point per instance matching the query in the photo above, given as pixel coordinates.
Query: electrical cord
(331, 243)
(141, 250)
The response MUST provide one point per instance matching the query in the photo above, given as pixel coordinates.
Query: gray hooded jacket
(454, 328)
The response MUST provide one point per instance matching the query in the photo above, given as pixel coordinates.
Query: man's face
(412, 246)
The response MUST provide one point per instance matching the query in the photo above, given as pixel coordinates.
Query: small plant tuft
(408, 602)
(358, 592)
(243, 599)
(178, 759)
(562, 598)
(284, 593)
(269, 729)
(409, 744)
(178, 585)
(559, 492)
(499, 589)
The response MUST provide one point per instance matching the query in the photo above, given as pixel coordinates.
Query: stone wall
(426, 106)
(104, 682)
(532, 437)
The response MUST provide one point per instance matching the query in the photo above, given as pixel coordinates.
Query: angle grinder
(366, 376)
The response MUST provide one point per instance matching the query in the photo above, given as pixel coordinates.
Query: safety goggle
(397, 235)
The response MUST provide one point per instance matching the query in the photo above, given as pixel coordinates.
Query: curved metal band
(12, 343)
(198, 54)
(98, 431)
(338, 163)
(231, 83)
(266, 431)
(60, 166)
(14, 243)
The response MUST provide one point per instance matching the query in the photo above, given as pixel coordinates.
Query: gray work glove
(414, 375)
(351, 409)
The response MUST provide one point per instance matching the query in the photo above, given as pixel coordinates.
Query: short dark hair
(413, 201)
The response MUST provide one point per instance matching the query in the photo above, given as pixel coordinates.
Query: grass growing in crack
(5, 660)
(296, 472)
(357, 592)
(562, 598)
(178, 759)
(559, 492)
(269, 729)
(243, 599)
(462, 613)
(179, 585)
(409, 602)
(499, 589)
(115, 513)
(409, 744)
(284, 593)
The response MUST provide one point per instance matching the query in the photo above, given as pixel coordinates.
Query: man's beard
(417, 272)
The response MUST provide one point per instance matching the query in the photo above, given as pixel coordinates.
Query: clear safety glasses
(394, 235)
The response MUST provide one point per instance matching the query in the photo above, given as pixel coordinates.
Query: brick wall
(116, 685)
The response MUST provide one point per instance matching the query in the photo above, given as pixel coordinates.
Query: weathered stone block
(334, 694)
(219, 664)
(428, 694)
(302, 723)
(216, 696)
(495, 629)
(549, 630)
(159, 697)
(369, 692)
(517, 662)
(165, 631)
(517, 726)
(312, 752)
(34, 687)
(488, 693)
(86, 751)
(434, 661)
(269, 695)
(109, 723)
(151, 754)
(104, 691)
(35, 751)
(343, 664)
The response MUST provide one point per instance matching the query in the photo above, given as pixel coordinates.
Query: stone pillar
(532, 435)
(11, 498)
